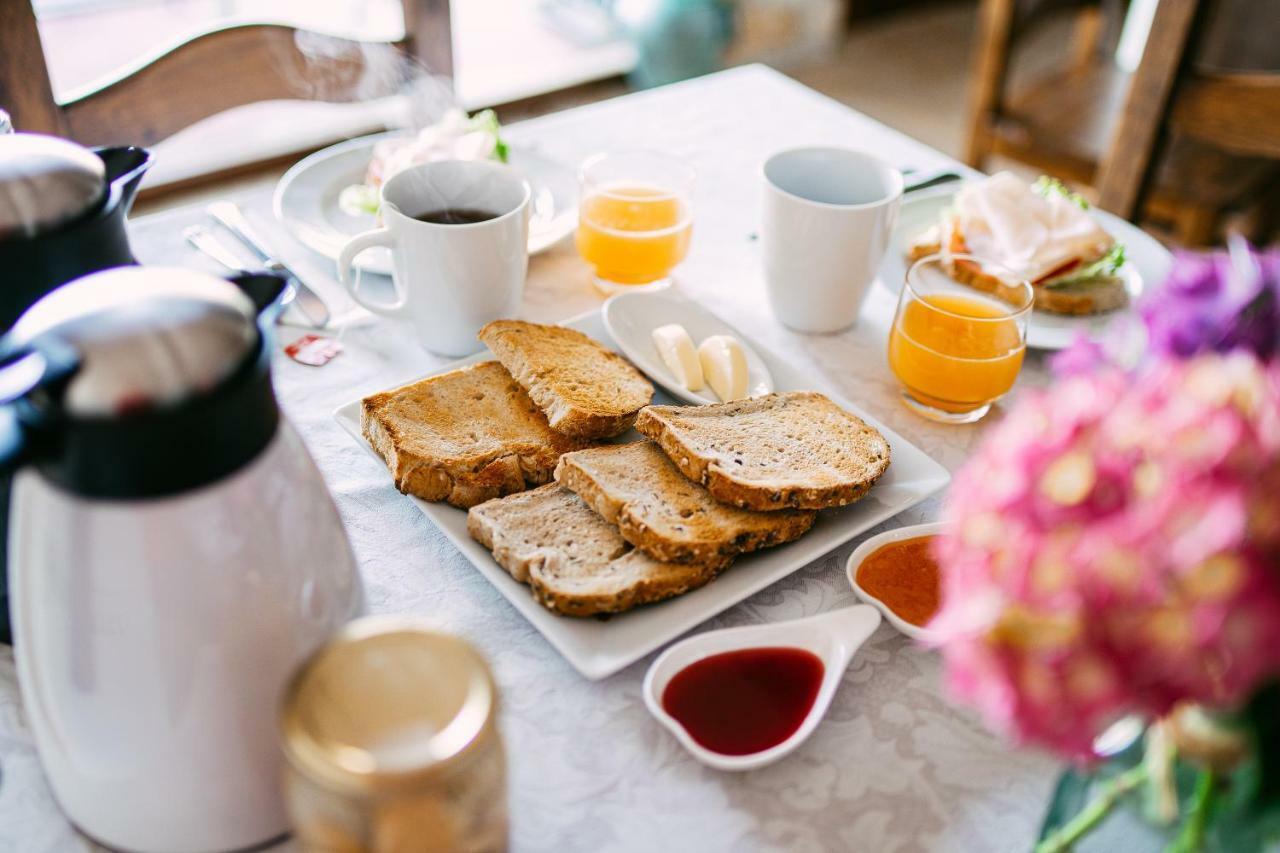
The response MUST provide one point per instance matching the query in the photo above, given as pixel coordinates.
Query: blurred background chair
(228, 67)
(1067, 121)
(1173, 101)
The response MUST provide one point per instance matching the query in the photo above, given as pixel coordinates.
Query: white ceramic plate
(306, 200)
(869, 547)
(1146, 263)
(599, 648)
(631, 319)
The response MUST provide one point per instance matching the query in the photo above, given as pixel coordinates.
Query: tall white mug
(450, 278)
(828, 214)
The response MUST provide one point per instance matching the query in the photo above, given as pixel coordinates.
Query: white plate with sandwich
(599, 540)
(1086, 266)
(309, 199)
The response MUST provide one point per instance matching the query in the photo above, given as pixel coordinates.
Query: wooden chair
(210, 73)
(1069, 123)
(1057, 123)
(1238, 113)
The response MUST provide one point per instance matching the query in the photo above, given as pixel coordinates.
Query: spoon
(931, 181)
(833, 636)
(631, 319)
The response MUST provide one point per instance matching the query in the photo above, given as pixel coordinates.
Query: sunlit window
(87, 41)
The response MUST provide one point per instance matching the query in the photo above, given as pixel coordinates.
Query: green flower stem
(1112, 792)
(1191, 837)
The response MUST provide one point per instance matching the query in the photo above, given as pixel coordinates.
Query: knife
(208, 243)
(307, 301)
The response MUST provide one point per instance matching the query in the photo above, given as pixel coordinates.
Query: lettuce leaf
(487, 120)
(359, 200)
(1105, 267)
(1051, 187)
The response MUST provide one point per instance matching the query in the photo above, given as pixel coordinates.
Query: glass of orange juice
(955, 349)
(635, 217)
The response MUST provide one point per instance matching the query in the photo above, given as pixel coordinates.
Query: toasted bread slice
(1092, 296)
(797, 450)
(575, 562)
(464, 436)
(584, 389)
(1087, 297)
(664, 513)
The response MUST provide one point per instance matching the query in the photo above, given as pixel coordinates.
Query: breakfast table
(893, 767)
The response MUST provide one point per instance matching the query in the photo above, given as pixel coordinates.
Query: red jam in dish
(743, 702)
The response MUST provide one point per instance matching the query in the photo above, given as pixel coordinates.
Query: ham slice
(1003, 219)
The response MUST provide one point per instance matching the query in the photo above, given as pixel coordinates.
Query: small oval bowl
(869, 547)
(833, 636)
(631, 318)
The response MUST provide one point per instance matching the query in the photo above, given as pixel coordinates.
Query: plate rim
(937, 477)
(1082, 323)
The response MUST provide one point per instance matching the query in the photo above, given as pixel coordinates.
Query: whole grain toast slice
(664, 513)
(576, 563)
(1095, 296)
(585, 389)
(464, 437)
(797, 450)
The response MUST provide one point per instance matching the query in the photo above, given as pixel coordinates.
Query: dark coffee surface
(456, 216)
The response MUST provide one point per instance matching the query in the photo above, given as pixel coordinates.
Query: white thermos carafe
(173, 554)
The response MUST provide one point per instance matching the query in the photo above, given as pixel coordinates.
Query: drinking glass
(955, 349)
(635, 217)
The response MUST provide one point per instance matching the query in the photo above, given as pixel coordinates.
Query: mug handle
(356, 245)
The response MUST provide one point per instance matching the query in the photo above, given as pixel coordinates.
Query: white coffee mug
(828, 214)
(450, 279)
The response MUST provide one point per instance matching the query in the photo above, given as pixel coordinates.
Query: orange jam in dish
(905, 577)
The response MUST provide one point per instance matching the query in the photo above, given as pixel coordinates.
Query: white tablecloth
(892, 768)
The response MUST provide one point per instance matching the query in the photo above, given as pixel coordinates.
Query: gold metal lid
(387, 705)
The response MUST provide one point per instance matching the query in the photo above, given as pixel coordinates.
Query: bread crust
(539, 536)
(674, 519)
(1096, 297)
(717, 447)
(427, 450)
(584, 389)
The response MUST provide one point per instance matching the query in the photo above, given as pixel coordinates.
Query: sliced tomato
(1054, 273)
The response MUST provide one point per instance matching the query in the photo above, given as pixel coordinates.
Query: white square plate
(599, 648)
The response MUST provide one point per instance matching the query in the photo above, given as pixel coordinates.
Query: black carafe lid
(45, 182)
(157, 381)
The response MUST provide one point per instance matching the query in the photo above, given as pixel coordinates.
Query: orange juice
(633, 234)
(954, 352)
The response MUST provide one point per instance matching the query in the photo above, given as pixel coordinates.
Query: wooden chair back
(1000, 22)
(1236, 112)
(210, 73)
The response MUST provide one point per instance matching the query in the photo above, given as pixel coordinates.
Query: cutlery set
(305, 307)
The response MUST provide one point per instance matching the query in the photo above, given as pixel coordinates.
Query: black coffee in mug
(456, 216)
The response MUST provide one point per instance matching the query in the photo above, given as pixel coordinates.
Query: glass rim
(1014, 313)
(675, 160)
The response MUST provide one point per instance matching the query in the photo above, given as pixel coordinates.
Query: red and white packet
(313, 350)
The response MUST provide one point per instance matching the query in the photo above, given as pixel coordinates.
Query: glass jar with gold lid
(392, 746)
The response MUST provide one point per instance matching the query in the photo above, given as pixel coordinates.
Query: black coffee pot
(62, 216)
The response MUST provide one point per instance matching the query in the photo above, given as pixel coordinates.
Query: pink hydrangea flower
(1115, 547)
